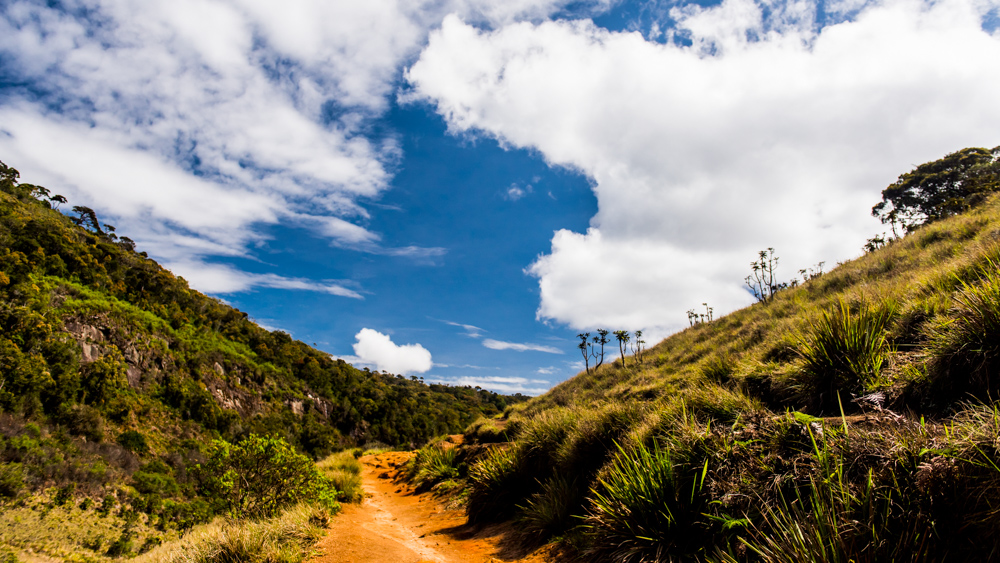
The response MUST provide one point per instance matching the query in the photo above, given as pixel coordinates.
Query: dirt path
(396, 525)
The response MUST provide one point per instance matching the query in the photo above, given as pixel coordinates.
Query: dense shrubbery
(259, 476)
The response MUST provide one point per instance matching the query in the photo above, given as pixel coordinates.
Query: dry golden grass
(35, 530)
(345, 471)
(287, 538)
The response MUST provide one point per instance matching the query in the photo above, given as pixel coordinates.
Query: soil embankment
(397, 525)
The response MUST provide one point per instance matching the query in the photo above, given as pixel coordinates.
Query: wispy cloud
(520, 347)
(470, 330)
(521, 385)
(221, 278)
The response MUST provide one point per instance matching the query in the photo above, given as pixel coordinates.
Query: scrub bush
(260, 475)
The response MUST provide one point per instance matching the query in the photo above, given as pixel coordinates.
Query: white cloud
(471, 331)
(757, 134)
(498, 384)
(193, 123)
(515, 192)
(519, 347)
(221, 278)
(376, 349)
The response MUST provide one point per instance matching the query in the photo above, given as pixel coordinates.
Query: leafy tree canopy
(937, 189)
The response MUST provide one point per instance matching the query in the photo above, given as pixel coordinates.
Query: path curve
(394, 524)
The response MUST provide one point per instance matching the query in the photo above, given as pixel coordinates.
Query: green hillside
(848, 418)
(115, 377)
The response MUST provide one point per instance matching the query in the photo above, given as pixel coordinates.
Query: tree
(762, 282)
(87, 219)
(585, 348)
(601, 340)
(637, 349)
(937, 189)
(623, 339)
(694, 317)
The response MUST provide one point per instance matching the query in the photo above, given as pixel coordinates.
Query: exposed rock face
(89, 338)
(145, 364)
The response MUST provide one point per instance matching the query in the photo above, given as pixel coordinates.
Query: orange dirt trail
(394, 524)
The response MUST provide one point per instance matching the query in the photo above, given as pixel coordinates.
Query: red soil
(397, 525)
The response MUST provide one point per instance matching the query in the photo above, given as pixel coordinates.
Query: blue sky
(455, 188)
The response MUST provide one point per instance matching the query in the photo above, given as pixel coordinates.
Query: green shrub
(260, 475)
(843, 353)
(134, 441)
(11, 480)
(647, 507)
(86, 421)
(64, 494)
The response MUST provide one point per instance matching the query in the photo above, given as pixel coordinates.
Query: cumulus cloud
(377, 350)
(520, 347)
(748, 134)
(193, 123)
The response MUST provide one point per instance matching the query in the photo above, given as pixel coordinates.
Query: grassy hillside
(851, 418)
(116, 378)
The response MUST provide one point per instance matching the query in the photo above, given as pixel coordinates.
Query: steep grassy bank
(850, 418)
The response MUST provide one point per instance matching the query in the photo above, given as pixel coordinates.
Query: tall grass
(648, 507)
(965, 348)
(549, 511)
(344, 470)
(287, 538)
(432, 465)
(843, 353)
(829, 524)
(497, 483)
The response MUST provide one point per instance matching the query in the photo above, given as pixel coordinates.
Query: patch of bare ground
(395, 524)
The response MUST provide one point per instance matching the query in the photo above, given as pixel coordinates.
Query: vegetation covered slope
(115, 377)
(848, 418)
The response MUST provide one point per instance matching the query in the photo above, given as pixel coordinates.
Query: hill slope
(850, 418)
(112, 367)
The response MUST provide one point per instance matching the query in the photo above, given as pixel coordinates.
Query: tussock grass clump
(830, 524)
(843, 353)
(486, 431)
(648, 507)
(549, 511)
(965, 348)
(344, 472)
(498, 481)
(286, 538)
(433, 464)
